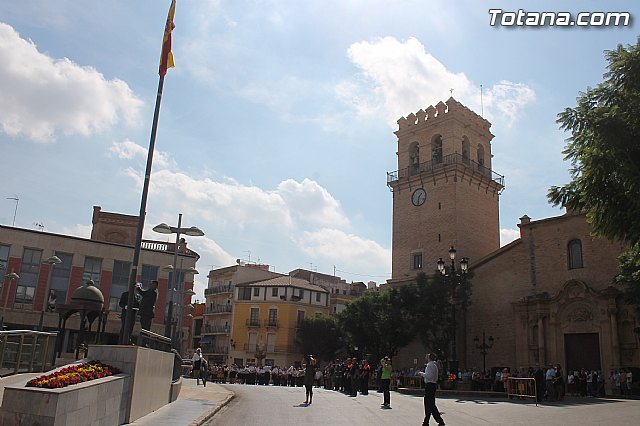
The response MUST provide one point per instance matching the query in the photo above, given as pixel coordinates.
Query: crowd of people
(352, 377)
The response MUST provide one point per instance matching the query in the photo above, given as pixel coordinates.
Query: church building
(548, 297)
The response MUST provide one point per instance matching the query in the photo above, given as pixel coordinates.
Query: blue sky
(276, 127)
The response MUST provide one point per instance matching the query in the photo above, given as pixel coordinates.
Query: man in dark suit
(147, 303)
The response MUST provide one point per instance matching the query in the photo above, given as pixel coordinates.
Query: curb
(206, 417)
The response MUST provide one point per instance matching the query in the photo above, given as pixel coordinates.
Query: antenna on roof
(17, 200)
(481, 104)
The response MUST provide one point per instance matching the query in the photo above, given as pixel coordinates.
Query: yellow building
(214, 336)
(266, 319)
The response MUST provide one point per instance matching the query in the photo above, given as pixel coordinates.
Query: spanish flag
(166, 57)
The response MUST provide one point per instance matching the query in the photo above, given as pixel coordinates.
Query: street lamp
(456, 279)
(51, 261)
(484, 349)
(163, 228)
(12, 277)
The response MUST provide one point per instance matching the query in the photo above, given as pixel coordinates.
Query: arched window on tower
(465, 150)
(481, 155)
(414, 158)
(574, 252)
(436, 150)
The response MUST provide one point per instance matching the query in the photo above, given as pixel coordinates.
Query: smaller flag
(166, 57)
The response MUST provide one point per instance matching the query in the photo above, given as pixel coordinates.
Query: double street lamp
(456, 278)
(163, 228)
(176, 333)
(46, 305)
(484, 349)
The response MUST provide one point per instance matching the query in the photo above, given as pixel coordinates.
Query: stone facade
(535, 303)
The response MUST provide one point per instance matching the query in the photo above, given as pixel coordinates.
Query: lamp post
(51, 261)
(12, 277)
(163, 228)
(456, 278)
(484, 349)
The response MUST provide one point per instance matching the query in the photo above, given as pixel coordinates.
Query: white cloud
(345, 249)
(508, 235)
(312, 203)
(402, 77)
(129, 150)
(43, 97)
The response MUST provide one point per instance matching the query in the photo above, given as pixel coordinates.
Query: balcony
(253, 323)
(167, 247)
(440, 164)
(215, 350)
(220, 289)
(278, 349)
(271, 323)
(218, 309)
(215, 329)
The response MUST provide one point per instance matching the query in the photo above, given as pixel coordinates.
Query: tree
(629, 277)
(376, 324)
(604, 151)
(321, 337)
(428, 303)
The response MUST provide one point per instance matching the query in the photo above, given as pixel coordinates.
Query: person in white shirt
(430, 376)
(196, 363)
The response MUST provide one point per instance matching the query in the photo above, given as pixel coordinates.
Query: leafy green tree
(376, 324)
(321, 337)
(604, 151)
(428, 305)
(629, 277)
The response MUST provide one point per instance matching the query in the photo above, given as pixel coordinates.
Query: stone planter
(97, 401)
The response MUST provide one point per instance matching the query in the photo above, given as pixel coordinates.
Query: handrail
(436, 164)
(26, 351)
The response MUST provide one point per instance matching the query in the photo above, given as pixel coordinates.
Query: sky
(276, 125)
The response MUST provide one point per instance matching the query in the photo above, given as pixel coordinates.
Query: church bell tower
(444, 191)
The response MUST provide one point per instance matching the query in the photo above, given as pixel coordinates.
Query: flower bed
(74, 374)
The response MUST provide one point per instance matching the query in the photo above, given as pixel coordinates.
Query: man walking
(430, 376)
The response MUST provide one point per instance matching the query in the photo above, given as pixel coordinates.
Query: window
(274, 292)
(575, 254)
(256, 291)
(92, 267)
(149, 273)
(119, 283)
(273, 317)
(179, 277)
(271, 342)
(301, 294)
(300, 317)
(29, 271)
(416, 260)
(60, 280)
(244, 293)
(318, 296)
(238, 362)
(436, 150)
(255, 312)
(4, 258)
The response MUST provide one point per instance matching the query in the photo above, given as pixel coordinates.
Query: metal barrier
(26, 351)
(155, 341)
(522, 387)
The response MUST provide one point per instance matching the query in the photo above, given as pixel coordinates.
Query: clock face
(419, 197)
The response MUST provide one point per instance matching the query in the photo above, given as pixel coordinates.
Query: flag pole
(130, 320)
(166, 61)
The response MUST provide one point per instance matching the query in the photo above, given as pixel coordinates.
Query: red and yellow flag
(166, 57)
